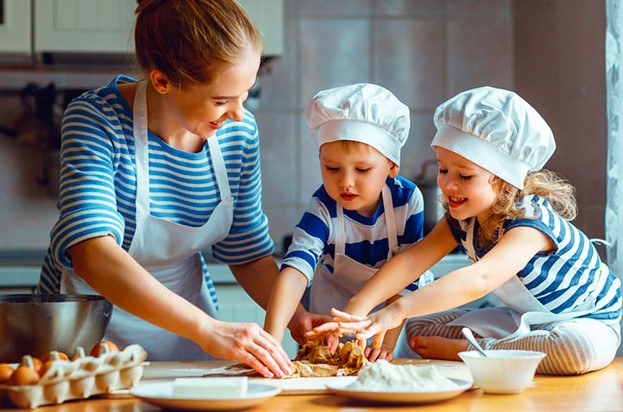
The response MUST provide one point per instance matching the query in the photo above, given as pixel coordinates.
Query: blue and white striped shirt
(366, 241)
(565, 279)
(98, 183)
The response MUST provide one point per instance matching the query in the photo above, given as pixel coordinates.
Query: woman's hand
(250, 344)
(303, 322)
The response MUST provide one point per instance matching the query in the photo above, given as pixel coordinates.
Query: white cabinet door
(15, 26)
(88, 26)
(108, 25)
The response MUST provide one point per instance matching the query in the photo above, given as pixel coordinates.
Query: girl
(513, 220)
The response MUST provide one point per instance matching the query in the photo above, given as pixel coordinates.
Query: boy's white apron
(333, 290)
(169, 251)
(523, 308)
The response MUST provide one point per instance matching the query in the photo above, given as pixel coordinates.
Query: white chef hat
(497, 130)
(361, 112)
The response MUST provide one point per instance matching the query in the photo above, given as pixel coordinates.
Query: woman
(154, 172)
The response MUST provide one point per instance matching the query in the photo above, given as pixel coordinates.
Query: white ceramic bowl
(502, 371)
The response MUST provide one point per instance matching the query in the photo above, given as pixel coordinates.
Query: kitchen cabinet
(94, 26)
(102, 26)
(15, 31)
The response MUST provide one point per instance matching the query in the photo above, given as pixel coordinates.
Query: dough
(315, 360)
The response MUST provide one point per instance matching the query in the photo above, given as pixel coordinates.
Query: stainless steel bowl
(36, 324)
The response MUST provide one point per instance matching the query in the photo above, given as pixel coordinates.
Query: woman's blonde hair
(189, 41)
(545, 183)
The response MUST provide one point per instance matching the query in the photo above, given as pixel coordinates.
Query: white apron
(333, 290)
(523, 308)
(169, 251)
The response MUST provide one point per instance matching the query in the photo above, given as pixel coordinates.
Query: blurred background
(550, 51)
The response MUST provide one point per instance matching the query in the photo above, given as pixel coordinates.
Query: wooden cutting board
(293, 386)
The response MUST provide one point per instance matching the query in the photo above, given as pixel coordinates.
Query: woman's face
(354, 174)
(465, 186)
(202, 109)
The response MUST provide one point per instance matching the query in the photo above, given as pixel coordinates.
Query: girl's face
(465, 186)
(202, 109)
(354, 174)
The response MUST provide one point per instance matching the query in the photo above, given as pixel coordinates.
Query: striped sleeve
(309, 239)
(87, 199)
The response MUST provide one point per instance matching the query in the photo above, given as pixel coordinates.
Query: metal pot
(37, 324)
(426, 181)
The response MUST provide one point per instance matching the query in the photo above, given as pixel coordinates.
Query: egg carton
(80, 379)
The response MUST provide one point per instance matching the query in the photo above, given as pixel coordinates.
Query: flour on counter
(383, 376)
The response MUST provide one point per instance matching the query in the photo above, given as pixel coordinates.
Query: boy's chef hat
(497, 130)
(362, 112)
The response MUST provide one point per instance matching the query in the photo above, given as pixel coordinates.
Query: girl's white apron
(522, 311)
(169, 251)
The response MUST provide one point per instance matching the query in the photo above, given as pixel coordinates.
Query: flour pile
(383, 376)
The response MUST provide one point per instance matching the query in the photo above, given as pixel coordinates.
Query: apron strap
(390, 222)
(220, 171)
(340, 235)
(141, 146)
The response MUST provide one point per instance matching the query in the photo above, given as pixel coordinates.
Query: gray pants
(573, 346)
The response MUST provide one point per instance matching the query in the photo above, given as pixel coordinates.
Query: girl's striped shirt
(564, 280)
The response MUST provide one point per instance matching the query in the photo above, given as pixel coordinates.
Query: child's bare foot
(436, 347)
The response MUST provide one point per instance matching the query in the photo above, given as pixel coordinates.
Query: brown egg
(54, 355)
(37, 364)
(103, 347)
(25, 374)
(6, 371)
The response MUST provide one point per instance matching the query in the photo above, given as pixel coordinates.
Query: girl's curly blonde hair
(545, 183)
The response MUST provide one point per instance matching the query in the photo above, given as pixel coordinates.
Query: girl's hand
(250, 344)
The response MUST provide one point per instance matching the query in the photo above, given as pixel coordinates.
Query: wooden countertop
(596, 391)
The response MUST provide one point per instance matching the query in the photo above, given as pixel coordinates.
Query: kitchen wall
(425, 51)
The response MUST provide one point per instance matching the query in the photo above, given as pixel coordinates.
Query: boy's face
(354, 174)
(465, 186)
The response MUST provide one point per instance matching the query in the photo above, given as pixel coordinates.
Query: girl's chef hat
(497, 130)
(362, 112)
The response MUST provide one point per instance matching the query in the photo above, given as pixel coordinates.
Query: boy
(361, 216)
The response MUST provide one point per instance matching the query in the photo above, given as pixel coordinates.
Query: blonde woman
(155, 171)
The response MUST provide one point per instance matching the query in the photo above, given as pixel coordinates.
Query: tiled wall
(560, 68)
(424, 51)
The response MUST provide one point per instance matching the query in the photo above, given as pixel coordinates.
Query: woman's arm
(257, 277)
(119, 278)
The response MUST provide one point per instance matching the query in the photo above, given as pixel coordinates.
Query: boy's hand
(384, 352)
